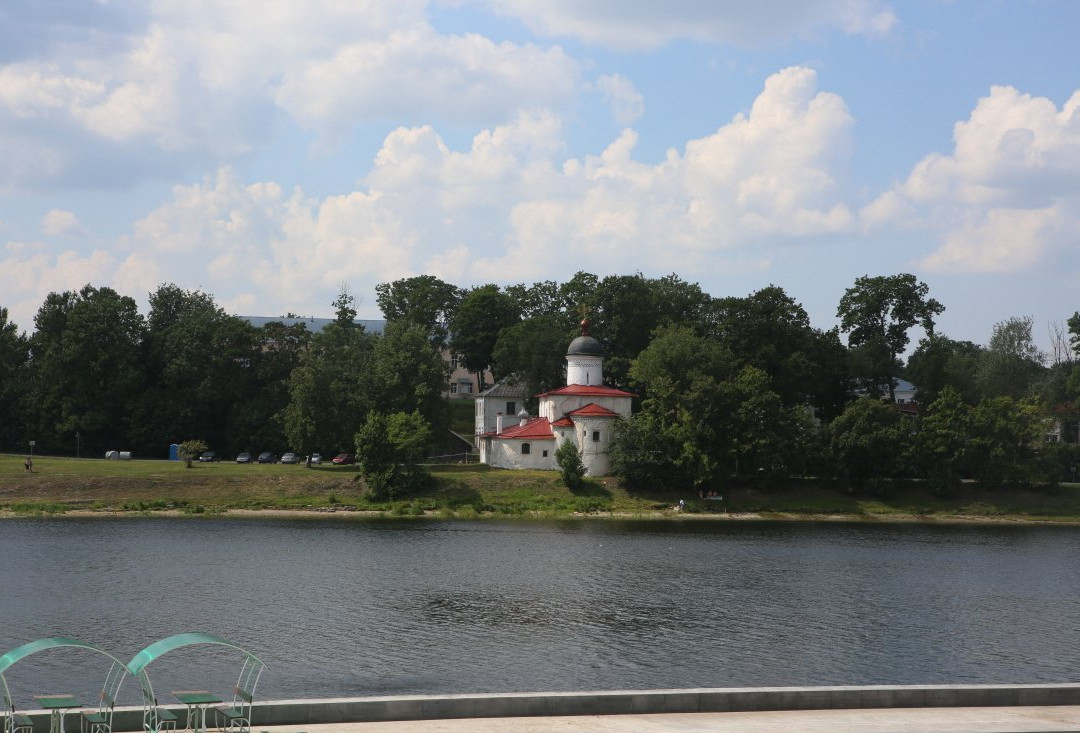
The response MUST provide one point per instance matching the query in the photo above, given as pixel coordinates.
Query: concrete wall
(708, 700)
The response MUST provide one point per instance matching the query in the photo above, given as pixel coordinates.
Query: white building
(584, 411)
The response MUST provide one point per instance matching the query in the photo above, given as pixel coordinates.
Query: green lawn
(63, 484)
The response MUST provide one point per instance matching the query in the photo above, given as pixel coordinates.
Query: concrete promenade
(844, 709)
(897, 720)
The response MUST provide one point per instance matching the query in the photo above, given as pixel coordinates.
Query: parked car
(267, 457)
(316, 459)
(289, 457)
(244, 457)
(208, 457)
(343, 458)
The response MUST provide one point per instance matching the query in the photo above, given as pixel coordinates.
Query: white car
(316, 459)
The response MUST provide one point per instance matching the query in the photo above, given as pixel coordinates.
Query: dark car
(289, 457)
(267, 457)
(343, 458)
(208, 457)
(244, 457)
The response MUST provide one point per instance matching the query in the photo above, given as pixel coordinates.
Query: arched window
(525, 448)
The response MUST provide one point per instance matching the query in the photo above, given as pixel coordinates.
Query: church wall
(507, 454)
(556, 406)
(595, 453)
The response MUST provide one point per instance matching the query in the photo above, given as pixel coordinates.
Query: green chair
(157, 718)
(15, 722)
(100, 720)
(236, 717)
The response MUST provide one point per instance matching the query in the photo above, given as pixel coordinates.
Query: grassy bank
(66, 485)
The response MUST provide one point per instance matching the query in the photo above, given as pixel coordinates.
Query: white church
(584, 411)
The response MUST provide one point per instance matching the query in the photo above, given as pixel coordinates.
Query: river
(373, 607)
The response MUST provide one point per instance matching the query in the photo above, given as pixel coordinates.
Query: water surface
(342, 608)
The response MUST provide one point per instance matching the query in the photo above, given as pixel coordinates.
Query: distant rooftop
(315, 325)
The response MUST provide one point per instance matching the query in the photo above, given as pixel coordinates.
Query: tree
(943, 438)
(641, 454)
(939, 362)
(1004, 436)
(201, 366)
(329, 393)
(764, 437)
(534, 352)
(770, 331)
(424, 300)
(407, 374)
(388, 448)
(14, 382)
(88, 368)
(345, 308)
(870, 442)
(1012, 364)
(189, 450)
(683, 415)
(482, 314)
(571, 468)
(877, 313)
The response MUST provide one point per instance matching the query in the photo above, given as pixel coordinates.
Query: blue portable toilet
(174, 452)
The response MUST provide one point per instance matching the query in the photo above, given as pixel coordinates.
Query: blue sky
(270, 152)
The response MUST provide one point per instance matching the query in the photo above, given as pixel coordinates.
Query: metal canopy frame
(249, 672)
(54, 642)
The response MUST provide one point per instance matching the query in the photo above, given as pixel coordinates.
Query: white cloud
(627, 104)
(644, 24)
(206, 82)
(1007, 197)
(61, 223)
(510, 207)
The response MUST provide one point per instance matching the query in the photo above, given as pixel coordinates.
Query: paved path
(893, 720)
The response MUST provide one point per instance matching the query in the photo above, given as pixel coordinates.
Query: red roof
(592, 410)
(588, 390)
(536, 429)
(563, 422)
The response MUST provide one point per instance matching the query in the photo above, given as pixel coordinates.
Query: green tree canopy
(424, 300)
(14, 383)
(1012, 365)
(388, 447)
(482, 314)
(877, 313)
(534, 351)
(870, 441)
(87, 368)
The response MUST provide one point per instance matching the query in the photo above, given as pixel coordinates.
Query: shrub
(568, 457)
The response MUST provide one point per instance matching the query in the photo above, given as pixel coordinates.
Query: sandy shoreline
(337, 513)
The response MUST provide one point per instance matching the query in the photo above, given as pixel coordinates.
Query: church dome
(585, 345)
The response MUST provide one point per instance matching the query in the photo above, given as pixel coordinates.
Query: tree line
(726, 386)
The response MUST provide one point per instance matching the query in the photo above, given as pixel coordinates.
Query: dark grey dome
(585, 346)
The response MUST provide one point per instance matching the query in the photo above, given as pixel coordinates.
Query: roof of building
(588, 390)
(585, 346)
(505, 388)
(536, 429)
(563, 422)
(592, 410)
(314, 325)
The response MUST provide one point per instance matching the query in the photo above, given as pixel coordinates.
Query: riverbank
(97, 487)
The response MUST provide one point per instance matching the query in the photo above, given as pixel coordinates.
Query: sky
(272, 152)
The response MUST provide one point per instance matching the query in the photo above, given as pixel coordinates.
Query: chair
(15, 722)
(236, 717)
(100, 720)
(156, 718)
